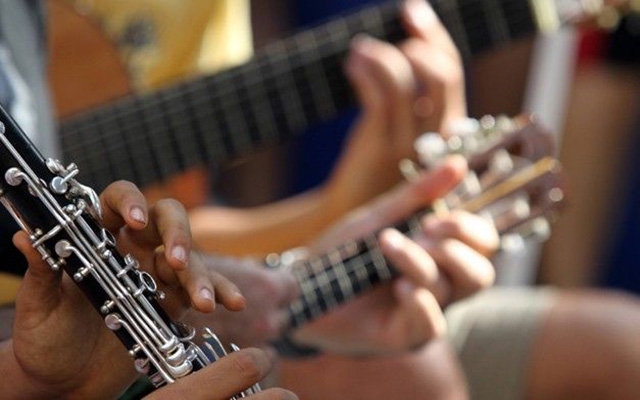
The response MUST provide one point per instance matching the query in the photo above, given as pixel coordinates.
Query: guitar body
(86, 69)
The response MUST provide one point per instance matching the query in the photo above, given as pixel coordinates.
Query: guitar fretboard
(287, 87)
(334, 278)
(337, 276)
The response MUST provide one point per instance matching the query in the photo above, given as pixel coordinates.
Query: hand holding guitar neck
(441, 255)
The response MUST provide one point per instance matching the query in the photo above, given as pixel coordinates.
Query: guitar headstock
(550, 15)
(513, 179)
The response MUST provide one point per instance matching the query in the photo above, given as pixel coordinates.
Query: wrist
(15, 383)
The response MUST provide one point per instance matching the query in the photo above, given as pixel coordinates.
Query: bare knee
(587, 347)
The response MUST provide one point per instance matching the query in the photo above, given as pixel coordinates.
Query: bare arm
(403, 90)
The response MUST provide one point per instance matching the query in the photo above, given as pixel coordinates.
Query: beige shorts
(493, 333)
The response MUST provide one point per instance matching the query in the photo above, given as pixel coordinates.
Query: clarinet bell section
(63, 220)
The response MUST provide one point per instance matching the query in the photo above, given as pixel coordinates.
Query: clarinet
(62, 218)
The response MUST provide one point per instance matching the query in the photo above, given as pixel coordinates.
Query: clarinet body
(62, 218)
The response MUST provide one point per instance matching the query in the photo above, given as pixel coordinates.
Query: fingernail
(179, 253)
(206, 293)
(355, 62)
(137, 214)
(361, 42)
(421, 14)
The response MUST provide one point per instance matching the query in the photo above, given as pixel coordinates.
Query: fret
(206, 126)
(327, 296)
(161, 144)
(72, 144)
(300, 81)
(180, 121)
(242, 125)
(360, 272)
(248, 118)
(315, 76)
(337, 47)
(280, 68)
(260, 103)
(496, 21)
(376, 257)
(90, 156)
(142, 168)
(449, 13)
(308, 288)
(216, 100)
(372, 21)
(341, 288)
(112, 148)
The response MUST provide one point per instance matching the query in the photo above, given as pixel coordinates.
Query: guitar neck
(287, 87)
(341, 274)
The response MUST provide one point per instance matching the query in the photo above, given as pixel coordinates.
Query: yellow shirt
(164, 40)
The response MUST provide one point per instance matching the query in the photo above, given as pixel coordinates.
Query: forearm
(260, 230)
(288, 223)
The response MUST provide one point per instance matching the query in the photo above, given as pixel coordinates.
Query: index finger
(123, 203)
(168, 226)
(221, 380)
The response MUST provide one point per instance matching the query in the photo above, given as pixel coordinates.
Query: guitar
(512, 181)
(289, 85)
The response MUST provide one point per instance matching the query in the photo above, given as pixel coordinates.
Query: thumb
(40, 289)
(422, 191)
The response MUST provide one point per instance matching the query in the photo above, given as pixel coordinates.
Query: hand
(225, 378)
(61, 346)
(268, 293)
(446, 261)
(404, 91)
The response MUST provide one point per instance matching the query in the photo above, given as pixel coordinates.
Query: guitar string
(310, 283)
(177, 93)
(174, 111)
(248, 69)
(363, 269)
(360, 270)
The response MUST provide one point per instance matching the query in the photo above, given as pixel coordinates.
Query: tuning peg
(537, 228)
(509, 211)
(512, 243)
(467, 188)
(464, 126)
(409, 169)
(431, 148)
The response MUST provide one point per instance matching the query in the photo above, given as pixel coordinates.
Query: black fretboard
(339, 275)
(287, 87)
